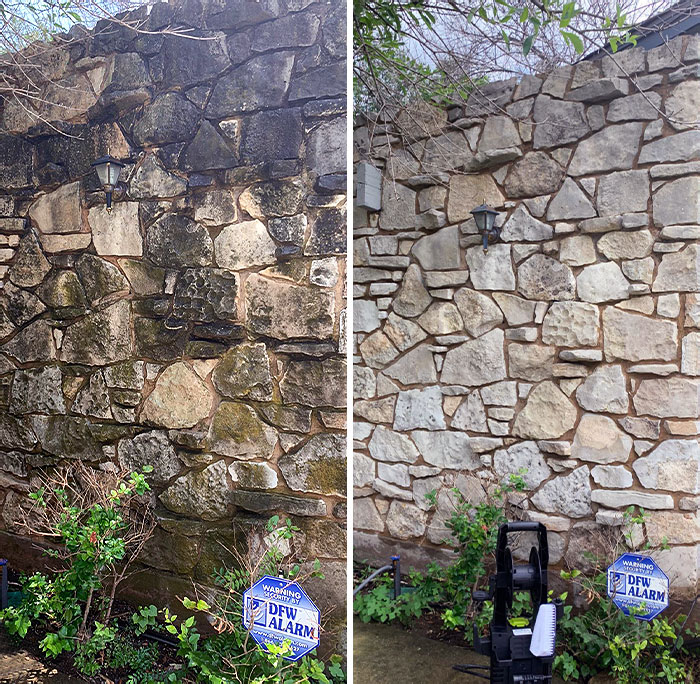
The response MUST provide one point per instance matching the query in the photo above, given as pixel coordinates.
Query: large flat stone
(604, 391)
(673, 466)
(569, 495)
(448, 450)
(533, 175)
(419, 408)
(602, 282)
(571, 324)
(476, 362)
(634, 337)
(492, 270)
(545, 279)
(672, 397)
(558, 123)
(547, 414)
(679, 271)
(599, 440)
(613, 148)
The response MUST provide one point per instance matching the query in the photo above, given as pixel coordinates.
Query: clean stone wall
(199, 328)
(572, 347)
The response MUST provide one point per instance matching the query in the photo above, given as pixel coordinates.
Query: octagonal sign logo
(638, 586)
(276, 610)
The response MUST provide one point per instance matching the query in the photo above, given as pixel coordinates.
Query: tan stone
(548, 414)
(666, 527)
(599, 440)
(73, 242)
(180, 399)
(116, 233)
(58, 211)
(530, 361)
(244, 245)
(637, 338)
(468, 192)
(236, 430)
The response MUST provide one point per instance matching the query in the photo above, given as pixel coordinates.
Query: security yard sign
(638, 582)
(277, 610)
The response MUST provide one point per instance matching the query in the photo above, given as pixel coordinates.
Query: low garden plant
(97, 524)
(597, 638)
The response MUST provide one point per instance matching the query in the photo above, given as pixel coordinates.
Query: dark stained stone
(273, 198)
(16, 167)
(329, 107)
(150, 448)
(293, 31)
(175, 241)
(239, 14)
(244, 371)
(203, 349)
(208, 150)
(67, 437)
(169, 155)
(276, 134)
(129, 72)
(326, 81)
(156, 340)
(188, 61)
(263, 502)
(227, 332)
(63, 292)
(535, 174)
(101, 337)
(314, 383)
(260, 83)
(294, 418)
(319, 466)
(328, 233)
(335, 31)
(205, 295)
(99, 277)
(16, 433)
(332, 183)
(113, 104)
(33, 343)
(198, 95)
(37, 390)
(22, 305)
(169, 118)
(30, 265)
(109, 37)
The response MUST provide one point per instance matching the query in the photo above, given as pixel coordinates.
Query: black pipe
(376, 573)
(3, 584)
(396, 565)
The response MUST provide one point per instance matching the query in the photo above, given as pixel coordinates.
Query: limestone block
(58, 211)
(569, 495)
(570, 203)
(525, 455)
(414, 367)
(547, 414)
(405, 520)
(682, 105)
(634, 337)
(468, 192)
(679, 272)
(449, 450)
(626, 498)
(558, 123)
(412, 299)
(403, 333)
(387, 445)
(673, 466)
(542, 278)
(476, 362)
(478, 311)
(530, 361)
(470, 415)
(637, 107)
(612, 148)
(419, 408)
(535, 174)
(522, 226)
(604, 391)
(319, 466)
(269, 301)
(672, 397)
(204, 493)
(492, 270)
(612, 477)
(602, 283)
(678, 202)
(623, 192)
(599, 440)
(244, 245)
(439, 251)
(179, 399)
(571, 324)
(690, 362)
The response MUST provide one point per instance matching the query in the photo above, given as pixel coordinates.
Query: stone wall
(199, 328)
(571, 348)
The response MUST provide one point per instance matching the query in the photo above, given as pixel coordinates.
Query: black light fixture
(485, 217)
(108, 169)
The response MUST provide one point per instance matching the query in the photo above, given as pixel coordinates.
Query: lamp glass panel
(489, 219)
(114, 171)
(480, 218)
(103, 173)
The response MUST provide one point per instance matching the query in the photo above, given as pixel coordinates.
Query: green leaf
(527, 45)
(575, 40)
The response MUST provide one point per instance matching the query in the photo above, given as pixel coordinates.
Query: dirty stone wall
(200, 327)
(571, 348)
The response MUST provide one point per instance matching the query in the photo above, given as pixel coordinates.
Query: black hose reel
(522, 654)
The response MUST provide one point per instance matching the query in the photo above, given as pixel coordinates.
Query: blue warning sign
(637, 582)
(276, 610)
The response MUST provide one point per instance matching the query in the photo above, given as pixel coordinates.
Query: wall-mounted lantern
(108, 169)
(485, 218)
